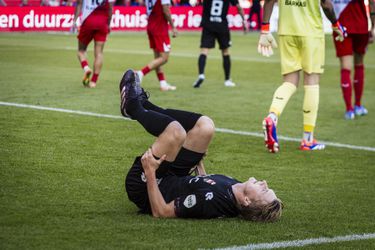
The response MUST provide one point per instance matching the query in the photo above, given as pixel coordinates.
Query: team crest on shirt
(190, 201)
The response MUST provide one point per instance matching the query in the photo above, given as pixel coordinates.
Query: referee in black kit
(215, 27)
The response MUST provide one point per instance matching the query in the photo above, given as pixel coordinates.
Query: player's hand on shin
(266, 41)
(340, 31)
(149, 163)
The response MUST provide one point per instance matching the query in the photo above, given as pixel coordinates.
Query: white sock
(274, 117)
(201, 76)
(140, 74)
(86, 68)
(308, 136)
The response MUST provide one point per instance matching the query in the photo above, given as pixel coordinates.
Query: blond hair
(265, 213)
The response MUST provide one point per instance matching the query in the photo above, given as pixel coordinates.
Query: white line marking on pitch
(301, 243)
(216, 57)
(221, 130)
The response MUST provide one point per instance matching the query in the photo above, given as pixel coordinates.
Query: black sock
(164, 168)
(226, 66)
(187, 158)
(150, 106)
(201, 63)
(154, 122)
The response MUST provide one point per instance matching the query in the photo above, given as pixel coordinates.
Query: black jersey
(215, 13)
(209, 196)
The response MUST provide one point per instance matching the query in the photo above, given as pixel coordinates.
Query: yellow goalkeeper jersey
(300, 18)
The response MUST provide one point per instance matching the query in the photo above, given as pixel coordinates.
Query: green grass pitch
(62, 174)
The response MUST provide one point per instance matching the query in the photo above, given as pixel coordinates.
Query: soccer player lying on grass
(159, 182)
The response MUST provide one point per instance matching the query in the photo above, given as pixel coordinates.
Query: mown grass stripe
(221, 130)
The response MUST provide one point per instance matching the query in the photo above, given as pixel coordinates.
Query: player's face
(258, 191)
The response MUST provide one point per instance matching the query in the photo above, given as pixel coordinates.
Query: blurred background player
(356, 18)
(255, 10)
(159, 15)
(95, 24)
(215, 27)
(301, 39)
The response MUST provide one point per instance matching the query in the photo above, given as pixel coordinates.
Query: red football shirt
(157, 24)
(95, 7)
(352, 14)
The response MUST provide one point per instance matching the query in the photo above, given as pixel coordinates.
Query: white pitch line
(216, 57)
(301, 243)
(19, 105)
(220, 130)
(189, 55)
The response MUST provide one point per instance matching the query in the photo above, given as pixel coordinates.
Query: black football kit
(215, 24)
(203, 197)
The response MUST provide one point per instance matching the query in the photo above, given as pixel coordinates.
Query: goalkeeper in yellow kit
(301, 39)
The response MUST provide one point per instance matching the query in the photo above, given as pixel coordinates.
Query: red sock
(160, 76)
(94, 77)
(84, 64)
(146, 70)
(359, 82)
(346, 87)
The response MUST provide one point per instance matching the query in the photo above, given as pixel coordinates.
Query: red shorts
(160, 43)
(353, 43)
(94, 27)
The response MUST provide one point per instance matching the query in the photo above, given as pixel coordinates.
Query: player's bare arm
(110, 11)
(159, 207)
(337, 28)
(372, 18)
(168, 17)
(327, 7)
(267, 10)
(77, 11)
(244, 22)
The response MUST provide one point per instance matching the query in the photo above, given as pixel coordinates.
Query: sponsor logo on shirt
(209, 196)
(298, 3)
(216, 19)
(190, 201)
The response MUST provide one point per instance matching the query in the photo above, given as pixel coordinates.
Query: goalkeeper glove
(340, 31)
(266, 41)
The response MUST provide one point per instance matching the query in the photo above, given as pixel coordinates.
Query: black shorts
(209, 36)
(135, 181)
